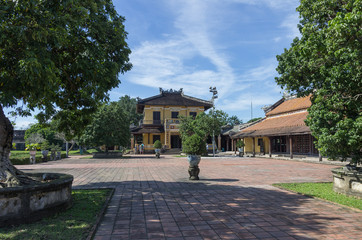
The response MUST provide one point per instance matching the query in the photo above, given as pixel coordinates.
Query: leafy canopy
(110, 127)
(327, 62)
(129, 106)
(60, 54)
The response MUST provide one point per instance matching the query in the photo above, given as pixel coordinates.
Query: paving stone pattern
(234, 199)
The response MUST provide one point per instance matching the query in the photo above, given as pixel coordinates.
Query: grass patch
(75, 223)
(180, 156)
(323, 191)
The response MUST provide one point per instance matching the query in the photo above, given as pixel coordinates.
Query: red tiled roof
(279, 125)
(291, 106)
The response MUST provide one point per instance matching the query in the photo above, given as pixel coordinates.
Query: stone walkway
(234, 199)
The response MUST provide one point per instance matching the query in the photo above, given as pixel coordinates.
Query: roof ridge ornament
(171, 91)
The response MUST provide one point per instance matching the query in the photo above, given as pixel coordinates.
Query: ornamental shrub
(240, 144)
(157, 144)
(193, 145)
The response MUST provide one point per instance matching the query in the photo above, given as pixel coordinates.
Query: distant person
(142, 148)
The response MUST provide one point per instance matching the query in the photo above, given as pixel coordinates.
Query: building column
(291, 147)
(253, 146)
(219, 142)
(227, 143)
(270, 147)
(132, 142)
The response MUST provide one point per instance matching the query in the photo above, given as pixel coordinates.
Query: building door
(175, 141)
(279, 144)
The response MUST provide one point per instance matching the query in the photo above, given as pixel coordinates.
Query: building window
(156, 117)
(174, 114)
(156, 137)
(193, 114)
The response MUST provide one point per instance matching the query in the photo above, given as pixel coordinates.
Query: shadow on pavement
(233, 212)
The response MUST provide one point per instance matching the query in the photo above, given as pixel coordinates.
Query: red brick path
(233, 200)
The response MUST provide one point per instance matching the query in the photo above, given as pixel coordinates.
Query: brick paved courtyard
(234, 199)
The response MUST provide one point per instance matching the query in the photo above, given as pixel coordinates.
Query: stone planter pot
(158, 152)
(45, 155)
(194, 169)
(59, 155)
(241, 152)
(348, 182)
(32, 156)
(26, 204)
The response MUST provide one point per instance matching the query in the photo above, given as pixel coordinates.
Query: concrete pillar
(320, 156)
(227, 143)
(270, 146)
(291, 147)
(219, 142)
(132, 142)
(253, 146)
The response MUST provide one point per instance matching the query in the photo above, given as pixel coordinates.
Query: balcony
(151, 122)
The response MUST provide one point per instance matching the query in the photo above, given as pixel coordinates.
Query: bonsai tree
(56, 64)
(44, 145)
(193, 145)
(240, 144)
(157, 144)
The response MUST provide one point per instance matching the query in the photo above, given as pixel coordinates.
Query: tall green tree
(327, 63)
(45, 131)
(56, 56)
(109, 127)
(234, 120)
(129, 106)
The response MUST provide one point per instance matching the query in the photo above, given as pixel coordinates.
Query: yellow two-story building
(161, 118)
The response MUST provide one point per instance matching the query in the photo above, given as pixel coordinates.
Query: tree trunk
(9, 175)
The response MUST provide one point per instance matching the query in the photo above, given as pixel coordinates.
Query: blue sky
(195, 44)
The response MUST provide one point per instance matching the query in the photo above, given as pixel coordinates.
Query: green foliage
(194, 145)
(13, 146)
(234, 120)
(323, 191)
(110, 126)
(240, 144)
(61, 57)
(55, 148)
(129, 106)
(254, 119)
(74, 223)
(44, 145)
(32, 147)
(46, 133)
(327, 62)
(157, 144)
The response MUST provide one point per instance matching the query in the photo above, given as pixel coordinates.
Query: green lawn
(75, 223)
(323, 191)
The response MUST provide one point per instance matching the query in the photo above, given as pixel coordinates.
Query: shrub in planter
(157, 144)
(193, 146)
(240, 145)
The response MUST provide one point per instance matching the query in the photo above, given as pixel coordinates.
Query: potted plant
(157, 146)
(193, 146)
(32, 150)
(44, 150)
(240, 145)
(55, 152)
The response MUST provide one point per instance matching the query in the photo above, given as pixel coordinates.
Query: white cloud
(291, 24)
(276, 4)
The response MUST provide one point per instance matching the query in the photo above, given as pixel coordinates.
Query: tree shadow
(230, 212)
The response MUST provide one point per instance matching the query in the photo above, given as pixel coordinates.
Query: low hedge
(26, 160)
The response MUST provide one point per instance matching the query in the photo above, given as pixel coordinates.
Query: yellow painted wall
(167, 110)
(249, 145)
